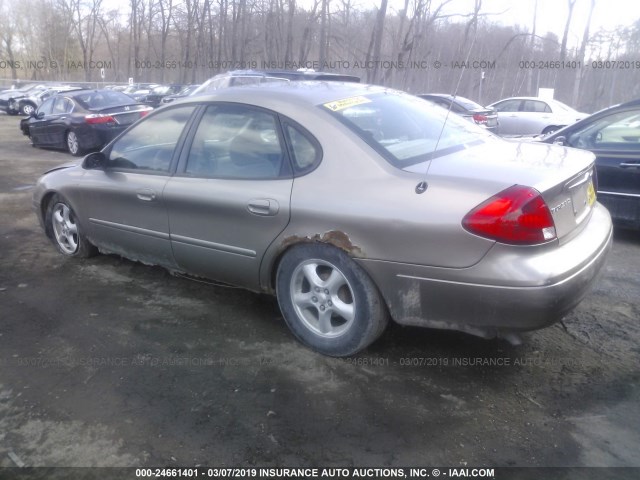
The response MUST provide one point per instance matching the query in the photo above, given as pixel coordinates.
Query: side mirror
(94, 160)
(561, 140)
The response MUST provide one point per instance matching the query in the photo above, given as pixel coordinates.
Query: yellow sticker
(591, 194)
(346, 103)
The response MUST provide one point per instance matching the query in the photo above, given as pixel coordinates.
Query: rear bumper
(510, 289)
(98, 136)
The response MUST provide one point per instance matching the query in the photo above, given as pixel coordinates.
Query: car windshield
(562, 106)
(405, 131)
(98, 99)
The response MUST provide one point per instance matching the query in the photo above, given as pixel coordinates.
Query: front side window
(61, 106)
(46, 107)
(618, 131)
(237, 141)
(149, 145)
(404, 131)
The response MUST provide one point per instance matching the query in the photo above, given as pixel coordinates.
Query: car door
(125, 201)
(508, 116)
(534, 117)
(39, 123)
(62, 108)
(230, 199)
(615, 140)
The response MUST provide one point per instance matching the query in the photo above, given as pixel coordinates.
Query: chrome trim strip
(213, 246)
(130, 229)
(619, 194)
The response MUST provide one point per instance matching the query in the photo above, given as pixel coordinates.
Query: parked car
(253, 77)
(81, 120)
(613, 135)
(472, 111)
(282, 189)
(138, 91)
(155, 96)
(185, 92)
(9, 95)
(29, 103)
(533, 116)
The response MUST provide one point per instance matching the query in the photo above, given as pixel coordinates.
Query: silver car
(534, 116)
(353, 204)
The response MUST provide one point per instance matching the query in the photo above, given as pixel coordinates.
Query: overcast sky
(552, 14)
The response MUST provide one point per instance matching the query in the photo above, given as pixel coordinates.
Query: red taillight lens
(517, 215)
(95, 119)
(480, 119)
(144, 113)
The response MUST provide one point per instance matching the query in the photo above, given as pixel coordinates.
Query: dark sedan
(472, 111)
(613, 135)
(81, 121)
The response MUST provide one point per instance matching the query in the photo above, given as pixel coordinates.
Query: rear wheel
(328, 301)
(65, 232)
(72, 144)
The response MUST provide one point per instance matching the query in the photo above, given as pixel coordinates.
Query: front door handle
(146, 195)
(263, 207)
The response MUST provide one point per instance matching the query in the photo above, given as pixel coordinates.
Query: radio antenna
(423, 185)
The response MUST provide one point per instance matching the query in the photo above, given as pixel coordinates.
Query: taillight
(98, 118)
(480, 119)
(517, 216)
(144, 113)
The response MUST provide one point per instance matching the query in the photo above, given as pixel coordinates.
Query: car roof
(308, 92)
(292, 74)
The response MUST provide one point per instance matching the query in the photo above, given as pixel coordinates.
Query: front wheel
(73, 145)
(63, 229)
(27, 109)
(328, 301)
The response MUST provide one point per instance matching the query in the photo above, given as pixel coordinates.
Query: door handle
(146, 195)
(263, 206)
(630, 165)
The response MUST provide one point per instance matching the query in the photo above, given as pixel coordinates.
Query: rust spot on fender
(333, 237)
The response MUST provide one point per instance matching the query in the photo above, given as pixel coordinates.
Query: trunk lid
(565, 177)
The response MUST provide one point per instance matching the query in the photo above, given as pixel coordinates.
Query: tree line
(422, 47)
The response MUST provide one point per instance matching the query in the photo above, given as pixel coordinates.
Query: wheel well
(334, 238)
(44, 206)
(551, 128)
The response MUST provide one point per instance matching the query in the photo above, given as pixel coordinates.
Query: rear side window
(536, 106)
(508, 106)
(304, 149)
(149, 146)
(237, 141)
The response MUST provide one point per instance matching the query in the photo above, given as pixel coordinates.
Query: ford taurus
(353, 204)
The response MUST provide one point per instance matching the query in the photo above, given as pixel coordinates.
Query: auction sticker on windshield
(338, 105)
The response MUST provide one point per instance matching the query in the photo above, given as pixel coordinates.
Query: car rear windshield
(98, 99)
(404, 129)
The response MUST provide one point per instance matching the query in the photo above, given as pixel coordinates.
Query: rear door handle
(630, 165)
(146, 195)
(263, 206)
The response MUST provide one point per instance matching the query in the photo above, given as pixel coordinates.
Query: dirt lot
(107, 362)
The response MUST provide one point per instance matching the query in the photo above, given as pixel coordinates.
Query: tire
(73, 146)
(27, 109)
(329, 303)
(64, 230)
